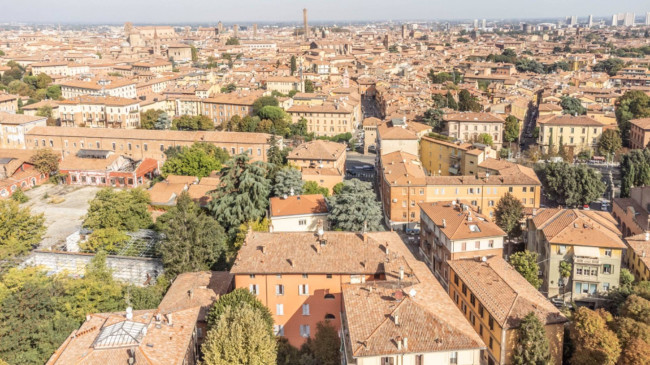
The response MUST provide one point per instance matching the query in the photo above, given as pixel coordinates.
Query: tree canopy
(594, 342)
(532, 347)
(610, 65)
(200, 160)
(468, 103)
(571, 185)
(355, 206)
(632, 105)
(20, 231)
(149, 118)
(192, 123)
(312, 187)
(525, 262)
(635, 170)
(508, 215)
(192, 241)
(288, 181)
(263, 101)
(610, 142)
(45, 161)
(511, 129)
(125, 210)
(572, 106)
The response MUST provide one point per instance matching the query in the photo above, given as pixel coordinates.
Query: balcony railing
(586, 260)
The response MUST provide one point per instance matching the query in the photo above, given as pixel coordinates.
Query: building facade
(100, 112)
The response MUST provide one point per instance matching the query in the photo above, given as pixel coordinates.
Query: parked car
(585, 207)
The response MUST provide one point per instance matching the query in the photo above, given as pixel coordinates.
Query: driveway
(64, 207)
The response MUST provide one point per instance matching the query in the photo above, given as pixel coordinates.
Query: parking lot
(64, 207)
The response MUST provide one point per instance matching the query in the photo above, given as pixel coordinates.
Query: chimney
(291, 192)
(399, 343)
(386, 247)
(406, 343)
(263, 249)
(291, 262)
(319, 230)
(190, 293)
(401, 273)
(444, 223)
(396, 319)
(129, 313)
(169, 319)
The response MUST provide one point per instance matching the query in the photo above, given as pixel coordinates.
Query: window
(477, 245)
(278, 330)
(561, 249)
(305, 309)
(480, 310)
(607, 269)
(480, 330)
(608, 252)
(419, 359)
(510, 189)
(252, 276)
(606, 286)
(491, 343)
(329, 316)
(579, 271)
(329, 296)
(491, 324)
(253, 289)
(279, 309)
(113, 145)
(279, 289)
(524, 189)
(464, 289)
(329, 276)
(303, 289)
(453, 357)
(146, 148)
(456, 297)
(472, 319)
(305, 276)
(304, 330)
(472, 299)
(491, 244)
(129, 146)
(302, 222)
(456, 279)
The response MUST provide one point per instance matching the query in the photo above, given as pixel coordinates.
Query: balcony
(586, 260)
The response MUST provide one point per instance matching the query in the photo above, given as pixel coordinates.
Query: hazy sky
(180, 11)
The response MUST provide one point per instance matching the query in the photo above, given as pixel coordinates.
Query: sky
(263, 11)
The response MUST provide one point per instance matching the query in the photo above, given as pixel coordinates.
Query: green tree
(485, 139)
(195, 53)
(110, 240)
(20, 88)
(355, 206)
(126, 210)
(19, 196)
(610, 65)
(193, 241)
(237, 298)
(44, 111)
(525, 262)
(239, 337)
(276, 155)
(192, 123)
(312, 187)
(309, 86)
(529, 65)
(467, 103)
(263, 101)
(635, 170)
(610, 142)
(232, 41)
(508, 215)
(434, 118)
(229, 87)
(572, 106)
(440, 78)
(53, 92)
(149, 118)
(626, 277)
(243, 193)
(45, 161)
(511, 129)
(288, 181)
(325, 345)
(532, 346)
(451, 102)
(20, 231)
(636, 308)
(273, 113)
(199, 160)
(565, 269)
(632, 105)
(293, 66)
(594, 342)
(393, 49)
(163, 122)
(571, 185)
(637, 352)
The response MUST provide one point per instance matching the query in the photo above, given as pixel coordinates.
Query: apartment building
(144, 143)
(637, 257)
(222, 107)
(328, 119)
(452, 230)
(154, 67)
(62, 68)
(8, 103)
(306, 278)
(639, 133)
(298, 213)
(284, 84)
(494, 298)
(13, 128)
(467, 126)
(395, 135)
(589, 240)
(579, 133)
(447, 158)
(320, 161)
(100, 112)
(123, 88)
(631, 213)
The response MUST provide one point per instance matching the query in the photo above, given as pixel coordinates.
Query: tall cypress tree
(532, 345)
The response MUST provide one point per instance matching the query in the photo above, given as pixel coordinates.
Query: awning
(586, 251)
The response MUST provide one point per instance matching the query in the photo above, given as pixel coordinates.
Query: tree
(53, 92)
(45, 161)
(110, 240)
(326, 344)
(312, 187)
(610, 65)
(594, 342)
(393, 49)
(263, 101)
(126, 210)
(636, 308)
(434, 118)
(243, 193)
(632, 105)
(525, 263)
(293, 66)
(199, 160)
(276, 155)
(195, 53)
(238, 298)
(44, 111)
(466, 102)
(511, 130)
(508, 215)
(240, 337)
(20, 231)
(232, 41)
(309, 86)
(355, 207)
(529, 65)
(451, 102)
(163, 122)
(19, 87)
(288, 181)
(637, 352)
(485, 139)
(532, 346)
(572, 106)
(626, 277)
(229, 88)
(193, 123)
(193, 241)
(610, 142)
(439, 78)
(635, 170)
(149, 118)
(571, 185)
(19, 196)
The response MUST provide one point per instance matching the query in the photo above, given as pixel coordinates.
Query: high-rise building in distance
(590, 21)
(628, 21)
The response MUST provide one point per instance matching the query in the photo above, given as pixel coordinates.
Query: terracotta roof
(17, 119)
(401, 168)
(99, 100)
(643, 123)
(473, 117)
(298, 205)
(510, 169)
(387, 131)
(504, 293)
(457, 224)
(548, 107)
(196, 289)
(578, 227)
(178, 179)
(510, 179)
(105, 337)
(318, 171)
(164, 193)
(74, 163)
(641, 247)
(324, 108)
(569, 120)
(317, 150)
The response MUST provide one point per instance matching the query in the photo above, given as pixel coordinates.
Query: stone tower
(304, 19)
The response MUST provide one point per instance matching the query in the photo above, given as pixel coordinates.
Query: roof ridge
(382, 322)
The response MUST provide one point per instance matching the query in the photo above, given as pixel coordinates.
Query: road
(370, 108)
(362, 167)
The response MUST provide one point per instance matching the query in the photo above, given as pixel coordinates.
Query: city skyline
(281, 11)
